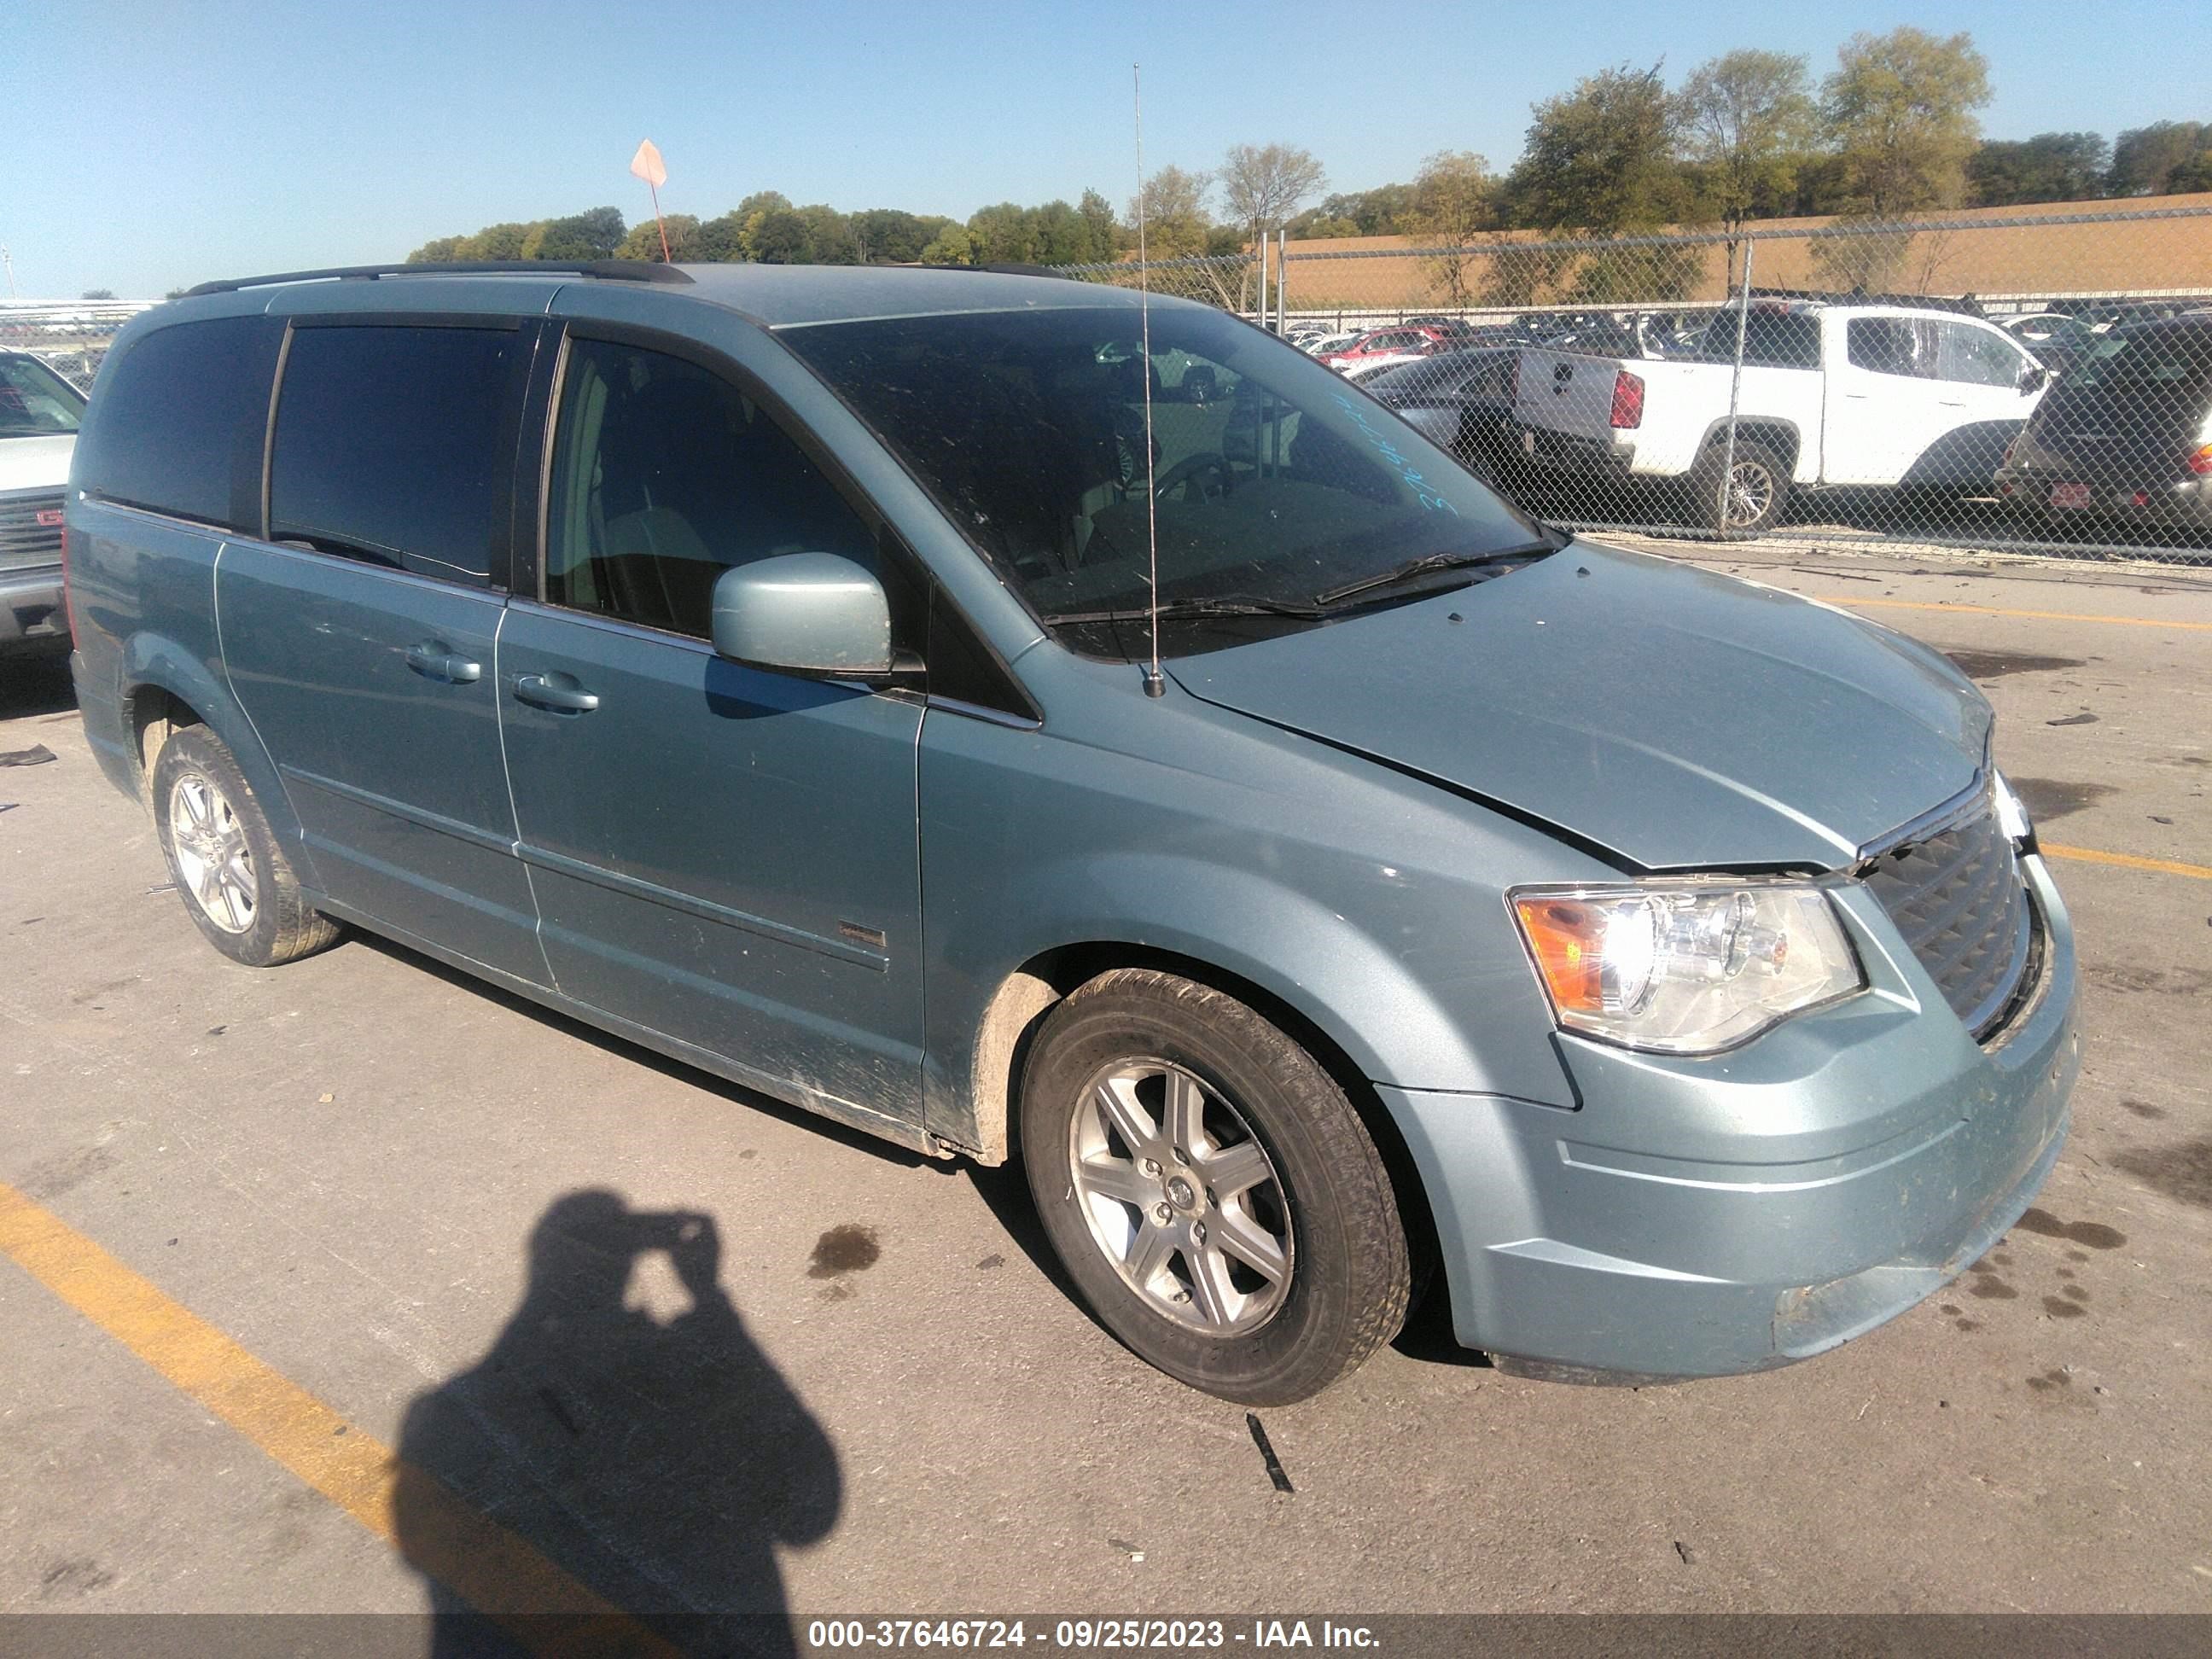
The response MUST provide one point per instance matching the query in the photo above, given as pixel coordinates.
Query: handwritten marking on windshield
(1396, 457)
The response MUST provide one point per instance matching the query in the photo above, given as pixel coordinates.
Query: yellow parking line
(2129, 861)
(1999, 610)
(494, 1570)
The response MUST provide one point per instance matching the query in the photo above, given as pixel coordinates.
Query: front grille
(30, 528)
(1957, 897)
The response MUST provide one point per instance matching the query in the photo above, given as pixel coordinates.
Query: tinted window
(664, 476)
(34, 401)
(1028, 429)
(1892, 345)
(1771, 339)
(395, 446)
(1976, 356)
(2165, 364)
(180, 420)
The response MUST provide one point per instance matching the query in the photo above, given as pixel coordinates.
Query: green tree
(1452, 201)
(2052, 166)
(761, 201)
(1102, 236)
(499, 242)
(643, 241)
(830, 241)
(591, 235)
(1900, 111)
(2144, 158)
(1175, 220)
(778, 236)
(950, 246)
(98, 294)
(1601, 163)
(1003, 234)
(1747, 121)
(1374, 212)
(891, 236)
(721, 241)
(2190, 176)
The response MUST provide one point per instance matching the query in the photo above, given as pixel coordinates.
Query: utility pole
(10, 264)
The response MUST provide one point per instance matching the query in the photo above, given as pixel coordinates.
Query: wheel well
(1027, 994)
(1782, 440)
(154, 713)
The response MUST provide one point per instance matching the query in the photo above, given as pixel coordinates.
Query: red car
(1413, 341)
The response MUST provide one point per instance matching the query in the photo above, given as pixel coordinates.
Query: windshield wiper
(1226, 605)
(1421, 566)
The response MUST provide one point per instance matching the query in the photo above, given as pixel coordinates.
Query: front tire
(238, 887)
(1211, 1189)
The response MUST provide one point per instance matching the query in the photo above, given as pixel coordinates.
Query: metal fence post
(1735, 391)
(1282, 280)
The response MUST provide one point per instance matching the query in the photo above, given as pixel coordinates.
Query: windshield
(34, 401)
(1275, 481)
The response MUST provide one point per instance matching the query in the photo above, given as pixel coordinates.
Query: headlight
(1686, 966)
(2012, 813)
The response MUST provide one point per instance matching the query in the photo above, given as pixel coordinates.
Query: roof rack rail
(614, 271)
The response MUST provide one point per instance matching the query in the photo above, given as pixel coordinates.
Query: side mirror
(804, 613)
(2033, 377)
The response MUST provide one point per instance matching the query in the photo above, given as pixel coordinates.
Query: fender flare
(154, 662)
(1751, 427)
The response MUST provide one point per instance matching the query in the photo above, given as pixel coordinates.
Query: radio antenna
(1154, 685)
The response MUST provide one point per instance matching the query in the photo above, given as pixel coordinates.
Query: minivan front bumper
(1572, 1244)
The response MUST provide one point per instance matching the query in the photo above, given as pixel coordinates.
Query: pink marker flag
(647, 165)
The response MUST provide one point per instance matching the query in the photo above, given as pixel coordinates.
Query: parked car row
(1860, 401)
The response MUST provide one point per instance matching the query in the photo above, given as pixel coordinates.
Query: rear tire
(1751, 499)
(237, 885)
(1211, 1189)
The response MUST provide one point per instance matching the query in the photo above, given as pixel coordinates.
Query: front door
(721, 855)
(360, 638)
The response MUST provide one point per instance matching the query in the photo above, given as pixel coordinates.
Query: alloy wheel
(1750, 494)
(214, 859)
(1181, 1197)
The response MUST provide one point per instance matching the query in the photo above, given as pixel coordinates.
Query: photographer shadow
(606, 1480)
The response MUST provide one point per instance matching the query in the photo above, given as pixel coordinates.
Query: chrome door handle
(540, 692)
(434, 661)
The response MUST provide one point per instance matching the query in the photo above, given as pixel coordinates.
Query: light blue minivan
(1030, 725)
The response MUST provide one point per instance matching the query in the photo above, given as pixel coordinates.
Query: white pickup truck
(1880, 397)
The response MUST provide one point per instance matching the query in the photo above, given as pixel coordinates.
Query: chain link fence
(2037, 381)
(69, 337)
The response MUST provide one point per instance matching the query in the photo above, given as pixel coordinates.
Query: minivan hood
(1678, 718)
(41, 463)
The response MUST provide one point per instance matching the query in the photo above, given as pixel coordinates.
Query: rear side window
(1892, 345)
(395, 446)
(180, 422)
(1771, 339)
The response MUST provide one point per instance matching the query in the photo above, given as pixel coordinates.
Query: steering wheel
(1191, 468)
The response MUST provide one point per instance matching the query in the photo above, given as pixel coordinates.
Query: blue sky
(153, 143)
